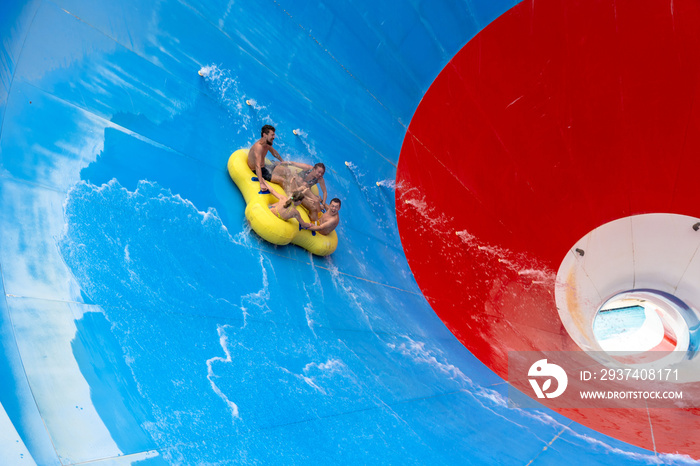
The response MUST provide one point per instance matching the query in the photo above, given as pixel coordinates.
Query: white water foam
(258, 299)
(223, 341)
(313, 371)
(418, 352)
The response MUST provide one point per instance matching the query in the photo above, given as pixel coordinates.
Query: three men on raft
(298, 183)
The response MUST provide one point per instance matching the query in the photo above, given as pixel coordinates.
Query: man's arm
(276, 154)
(328, 224)
(303, 166)
(259, 163)
(263, 186)
(322, 185)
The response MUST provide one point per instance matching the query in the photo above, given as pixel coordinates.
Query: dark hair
(266, 129)
(319, 164)
(296, 196)
(335, 199)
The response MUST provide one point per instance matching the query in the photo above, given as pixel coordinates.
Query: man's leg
(281, 176)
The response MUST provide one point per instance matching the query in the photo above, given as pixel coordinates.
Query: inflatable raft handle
(313, 233)
(255, 178)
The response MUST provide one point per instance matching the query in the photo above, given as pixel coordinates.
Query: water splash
(243, 237)
(304, 139)
(432, 218)
(438, 222)
(227, 93)
(391, 184)
(380, 206)
(520, 263)
(259, 113)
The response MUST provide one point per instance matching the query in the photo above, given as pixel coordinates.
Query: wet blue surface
(143, 323)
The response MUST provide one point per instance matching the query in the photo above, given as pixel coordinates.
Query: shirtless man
(329, 220)
(256, 157)
(304, 180)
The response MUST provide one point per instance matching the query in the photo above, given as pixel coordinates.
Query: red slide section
(557, 118)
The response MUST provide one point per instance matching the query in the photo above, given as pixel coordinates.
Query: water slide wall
(472, 144)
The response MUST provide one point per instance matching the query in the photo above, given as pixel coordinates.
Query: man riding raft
(299, 184)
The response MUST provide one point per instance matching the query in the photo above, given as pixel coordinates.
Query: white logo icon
(542, 368)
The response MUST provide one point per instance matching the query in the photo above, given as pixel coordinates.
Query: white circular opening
(642, 326)
(628, 292)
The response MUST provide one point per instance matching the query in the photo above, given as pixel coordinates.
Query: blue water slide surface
(142, 322)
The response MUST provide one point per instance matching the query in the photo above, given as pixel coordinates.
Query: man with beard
(329, 220)
(304, 180)
(256, 158)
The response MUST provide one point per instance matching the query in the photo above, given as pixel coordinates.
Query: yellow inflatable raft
(264, 222)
